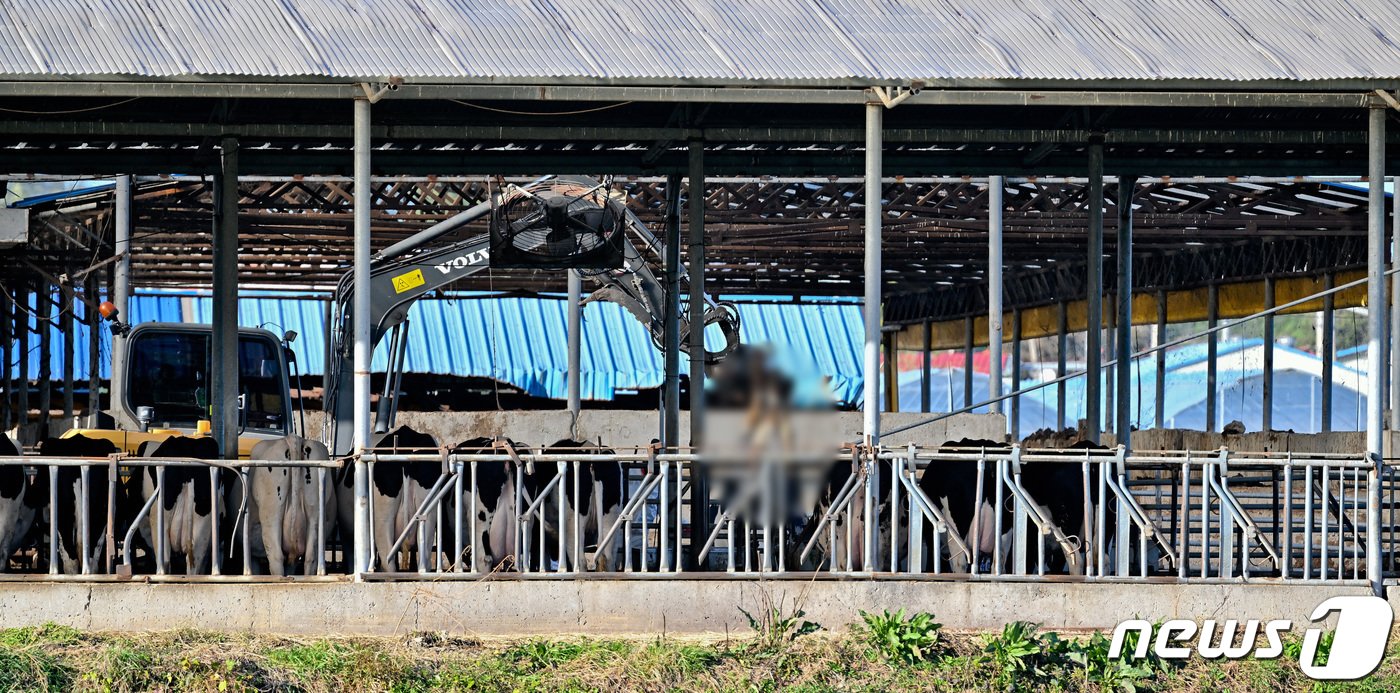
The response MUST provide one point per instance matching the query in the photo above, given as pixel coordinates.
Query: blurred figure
(768, 461)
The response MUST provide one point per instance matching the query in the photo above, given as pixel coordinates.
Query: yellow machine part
(130, 441)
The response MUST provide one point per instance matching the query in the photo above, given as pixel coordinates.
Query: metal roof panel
(705, 39)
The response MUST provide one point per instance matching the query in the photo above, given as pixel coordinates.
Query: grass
(1018, 657)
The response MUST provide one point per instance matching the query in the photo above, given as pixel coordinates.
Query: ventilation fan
(563, 222)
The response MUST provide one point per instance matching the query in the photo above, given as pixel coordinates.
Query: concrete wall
(1271, 441)
(623, 428)
(698, 606)
(1186, 439)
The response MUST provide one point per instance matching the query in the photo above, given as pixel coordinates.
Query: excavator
(555, 222)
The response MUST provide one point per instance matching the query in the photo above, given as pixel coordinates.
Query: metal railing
(985, 514)
(140, 517)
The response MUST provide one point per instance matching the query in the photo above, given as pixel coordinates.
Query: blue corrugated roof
(520, 341)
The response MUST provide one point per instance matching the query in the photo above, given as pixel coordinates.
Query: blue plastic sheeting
(945, 390)
(1239, 393)
(520, 341)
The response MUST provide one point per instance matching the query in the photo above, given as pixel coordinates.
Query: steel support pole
(224, 309)
(700, 482)
(969, 348)
(1267, 420)
(1375, 332)
(996, 189)
(22, 308)
(671, 392)
(43, 324)
(1014, 415)
(94, 326)
(575, 350)
(361, 323)
(7, 345)
(874, 281)
(1093, 331)
(65, 325)
(120, 293)
(1159, 399)
(1212, 351)
(1061, 343)
(926, 370)
(891, 367)
(1123, 416)
(1110, 378)
(1394, 383)
(874, 117)
(1329, 350)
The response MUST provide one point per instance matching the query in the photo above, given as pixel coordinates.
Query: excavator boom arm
(408, 270)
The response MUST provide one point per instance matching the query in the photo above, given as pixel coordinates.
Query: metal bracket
(375, 92)
(892, 97)
(1388, 99)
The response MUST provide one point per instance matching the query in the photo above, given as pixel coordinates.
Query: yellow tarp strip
(1236, 301)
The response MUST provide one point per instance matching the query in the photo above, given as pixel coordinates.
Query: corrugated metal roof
(520, 341)
(699, 40)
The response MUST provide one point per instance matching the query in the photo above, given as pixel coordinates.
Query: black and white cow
(189, 503)
(283, 507)
(20, 501)
(397, 489)
(812, 511)
(73, 544)
(1056, 488)
(493, 498)
(598, 505)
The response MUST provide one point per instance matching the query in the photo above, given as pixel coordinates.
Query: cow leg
(386, 529)
(605, 556)
(568, 557)
(315, 526)
(428, 548)
(197, 559)
(271, 521)
(15, 519)
(483, 551)
(502, 528)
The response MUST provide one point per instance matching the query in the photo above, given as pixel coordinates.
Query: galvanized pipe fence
(1002, 513)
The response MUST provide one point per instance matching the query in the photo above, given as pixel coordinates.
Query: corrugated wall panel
(521, 341)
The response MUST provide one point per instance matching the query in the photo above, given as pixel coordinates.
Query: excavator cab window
(169, 372)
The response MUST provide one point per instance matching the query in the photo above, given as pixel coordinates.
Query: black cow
(188, 503)
(72, 543)
(808, 514)
(20, 501)
(1057, 488)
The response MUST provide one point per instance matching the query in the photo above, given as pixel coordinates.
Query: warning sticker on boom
(408, 280)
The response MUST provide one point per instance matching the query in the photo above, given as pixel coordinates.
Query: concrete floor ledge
(618, 607)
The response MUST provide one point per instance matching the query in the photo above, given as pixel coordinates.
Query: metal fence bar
(1239, 492)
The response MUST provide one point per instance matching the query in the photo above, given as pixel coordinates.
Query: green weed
(908, 640)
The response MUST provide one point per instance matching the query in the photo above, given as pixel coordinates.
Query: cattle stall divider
(987, 513)
(152, 510)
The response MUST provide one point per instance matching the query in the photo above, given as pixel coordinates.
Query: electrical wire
(507, 111)
(71, 110)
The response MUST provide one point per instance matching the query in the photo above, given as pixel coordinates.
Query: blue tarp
(520, 341)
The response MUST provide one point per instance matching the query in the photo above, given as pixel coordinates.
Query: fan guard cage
(559, 223)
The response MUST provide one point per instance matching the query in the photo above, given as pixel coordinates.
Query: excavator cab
(165, 388)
